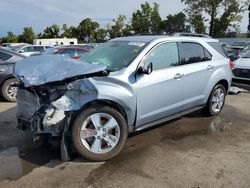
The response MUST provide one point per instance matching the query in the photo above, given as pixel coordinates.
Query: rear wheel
(9, 89)
(216, 101)
(99, 133)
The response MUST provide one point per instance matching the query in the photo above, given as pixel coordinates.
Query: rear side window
(5, 56)
(218, 47)
(192, 53)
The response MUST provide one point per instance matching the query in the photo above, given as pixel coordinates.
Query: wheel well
(224, 83)
(109, 103)
(7, 78)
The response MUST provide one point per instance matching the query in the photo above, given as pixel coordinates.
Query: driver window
(164, 56)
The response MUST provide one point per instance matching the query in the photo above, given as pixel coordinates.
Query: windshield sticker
(140, 44)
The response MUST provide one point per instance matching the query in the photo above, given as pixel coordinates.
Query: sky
(16, 14)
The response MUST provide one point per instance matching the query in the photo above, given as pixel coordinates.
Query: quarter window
(192, 53)
(163, 56)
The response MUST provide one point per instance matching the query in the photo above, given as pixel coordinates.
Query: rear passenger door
(197, 67)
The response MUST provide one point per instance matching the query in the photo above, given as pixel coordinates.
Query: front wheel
(99, 133)
(216, 100)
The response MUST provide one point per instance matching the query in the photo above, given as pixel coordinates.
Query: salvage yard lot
(194, 151)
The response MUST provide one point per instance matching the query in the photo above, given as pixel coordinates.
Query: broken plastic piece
(53, 117)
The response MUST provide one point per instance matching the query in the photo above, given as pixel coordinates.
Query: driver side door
(160, 93)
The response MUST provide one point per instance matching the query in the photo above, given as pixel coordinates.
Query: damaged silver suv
(123, 86)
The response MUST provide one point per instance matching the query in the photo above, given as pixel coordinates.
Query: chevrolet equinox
(123, 86)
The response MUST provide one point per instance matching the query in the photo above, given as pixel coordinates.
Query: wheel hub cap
(218, 100)
(100, 133)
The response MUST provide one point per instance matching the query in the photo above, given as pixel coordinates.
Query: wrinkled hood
(39, 70)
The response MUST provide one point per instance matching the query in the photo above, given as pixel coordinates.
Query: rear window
(217, 46)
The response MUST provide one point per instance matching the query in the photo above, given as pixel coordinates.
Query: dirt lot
(192, 152)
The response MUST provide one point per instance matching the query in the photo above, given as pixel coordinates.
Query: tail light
(231, 64)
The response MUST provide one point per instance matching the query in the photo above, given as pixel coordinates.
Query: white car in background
(241, 69)
(31, 50)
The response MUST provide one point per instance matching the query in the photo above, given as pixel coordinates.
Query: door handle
(2, 70)
(210, 67)
(178, 76)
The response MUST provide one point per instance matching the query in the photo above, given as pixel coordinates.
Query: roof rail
(190, 35)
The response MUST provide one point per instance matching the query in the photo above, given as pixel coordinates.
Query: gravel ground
(193, 151)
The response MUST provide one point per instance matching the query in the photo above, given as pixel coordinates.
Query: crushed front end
(51, 90)
(36, 112)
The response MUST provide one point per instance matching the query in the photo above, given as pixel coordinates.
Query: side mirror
(21, 51)
(146, 69)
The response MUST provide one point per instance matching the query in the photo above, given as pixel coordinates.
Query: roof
(150, 38)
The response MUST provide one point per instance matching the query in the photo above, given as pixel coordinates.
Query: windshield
(17, 48)
(115, 55)
(247, 55)
(239, 44)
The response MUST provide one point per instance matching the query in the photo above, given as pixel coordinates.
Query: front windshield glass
(239, 44)
(247, 55)
(115, 55)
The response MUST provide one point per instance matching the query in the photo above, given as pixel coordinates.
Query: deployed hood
(39, 70)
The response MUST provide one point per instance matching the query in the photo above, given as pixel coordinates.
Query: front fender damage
(44, 115)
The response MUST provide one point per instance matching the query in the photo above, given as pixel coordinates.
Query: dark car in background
(8, 84)
(73, 52)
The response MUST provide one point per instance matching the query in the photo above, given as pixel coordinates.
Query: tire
(8, 91)
(87, 138)
(215, 103)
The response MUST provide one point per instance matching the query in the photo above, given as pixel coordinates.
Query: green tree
(197, 21)
(156, 20)
(27, 36)
(175, 23)
(120, 28)
(226, 12)
(39, 36)
(100, 35)
(69, 32)
(147, 20)
(52, 31)
(141, 19)
(86, 30)
(11, 38)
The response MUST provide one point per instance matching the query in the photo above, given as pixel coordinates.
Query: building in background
(55, 41)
